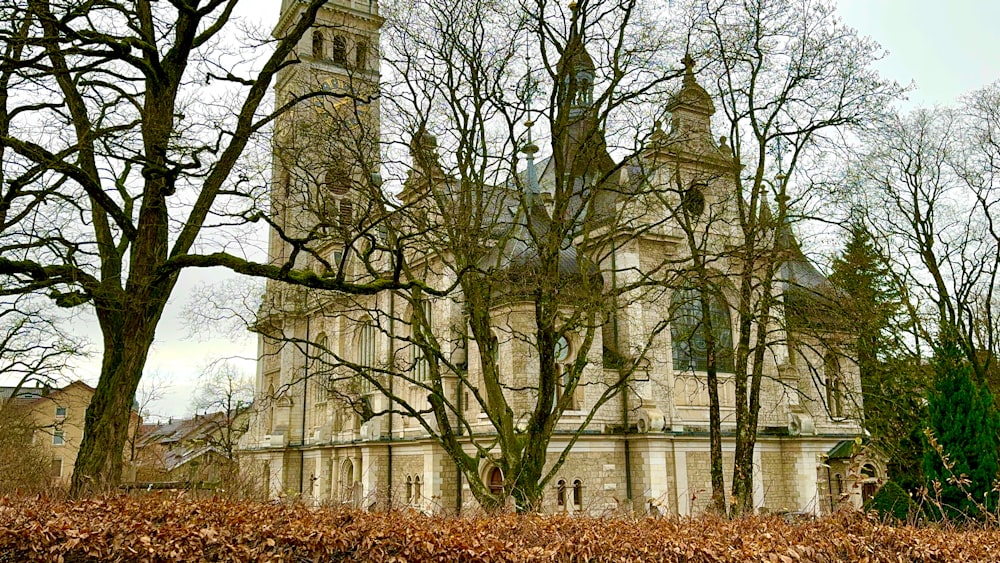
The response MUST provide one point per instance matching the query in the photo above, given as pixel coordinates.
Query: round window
(693, 201)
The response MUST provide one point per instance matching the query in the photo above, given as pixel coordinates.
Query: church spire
(576, 67)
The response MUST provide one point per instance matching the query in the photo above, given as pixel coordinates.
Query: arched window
(361, 54)
(318, 45)
(409, 489)
(421, 362)
(495, 481)
(689, 330)
(563, 355)
(561, 493)
(347, 481)
(578, 494)
(339, 50)
(318, 386)
(366, 353)
(834, 385)
(417, 493)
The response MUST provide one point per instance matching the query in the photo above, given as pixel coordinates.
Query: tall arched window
(578, 494)
(561, 493)
(339, 50)
(409, 489)
(366, 353)
(318, 45)
(689, 330)
(563, 355)
(361, 54)
(318, 386)
(347, 481)
(421, 361)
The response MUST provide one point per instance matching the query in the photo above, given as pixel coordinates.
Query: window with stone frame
(361, 48)
(577, 494)
(319, 377)
(366, 355)
(420, 329)
(689, 329)
(318, 45)
(339, 55)
(563, 356)
(834, 385)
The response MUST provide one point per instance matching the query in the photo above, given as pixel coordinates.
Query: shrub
(165, 528)
(891, 501)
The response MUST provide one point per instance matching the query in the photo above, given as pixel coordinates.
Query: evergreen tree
(965, 425)
(892, 384)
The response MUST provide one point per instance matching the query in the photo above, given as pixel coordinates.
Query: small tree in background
(960, 463)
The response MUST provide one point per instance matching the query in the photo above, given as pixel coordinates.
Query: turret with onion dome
(577, 71)
(577, 138)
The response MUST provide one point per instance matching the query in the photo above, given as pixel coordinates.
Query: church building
(360, 397)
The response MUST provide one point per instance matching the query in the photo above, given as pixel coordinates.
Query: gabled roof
(27, 393)
(184, 439)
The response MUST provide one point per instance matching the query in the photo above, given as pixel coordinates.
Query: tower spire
(530, 148)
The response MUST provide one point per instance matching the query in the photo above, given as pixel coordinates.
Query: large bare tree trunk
(128, 334)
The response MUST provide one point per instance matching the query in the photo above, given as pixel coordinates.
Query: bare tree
(152, 389)
(933, 174)
(513, 313)
(224, 397)
(790, 81)
(121, 126)
(33, 344)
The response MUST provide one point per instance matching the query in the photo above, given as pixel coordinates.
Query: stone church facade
(649, 454)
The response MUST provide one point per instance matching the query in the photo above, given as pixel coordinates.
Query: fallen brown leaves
(164, 528)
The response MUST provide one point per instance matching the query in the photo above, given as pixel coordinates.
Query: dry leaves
(165, 528)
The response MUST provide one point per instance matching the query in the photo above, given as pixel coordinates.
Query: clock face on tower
(334, 85)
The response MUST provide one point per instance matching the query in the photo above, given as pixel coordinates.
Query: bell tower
(324, 163)
(338, 55)
(325, 144)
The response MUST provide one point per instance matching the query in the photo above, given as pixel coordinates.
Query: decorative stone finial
(688, 62)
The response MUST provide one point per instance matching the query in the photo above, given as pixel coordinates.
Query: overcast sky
(946, 49)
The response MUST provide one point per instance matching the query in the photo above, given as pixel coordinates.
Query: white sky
(946, 49)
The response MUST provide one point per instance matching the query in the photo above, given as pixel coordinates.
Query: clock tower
(325, 145)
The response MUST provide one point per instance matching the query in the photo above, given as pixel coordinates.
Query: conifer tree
(961, 457)
(892, 384)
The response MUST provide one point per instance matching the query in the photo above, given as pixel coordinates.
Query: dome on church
(691, 97)
(576, 57)
(519, 262)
